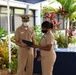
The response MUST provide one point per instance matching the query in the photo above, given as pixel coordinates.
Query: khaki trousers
(47, 64)
(25, 58)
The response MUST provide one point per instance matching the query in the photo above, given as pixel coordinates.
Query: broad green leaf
(73, 15)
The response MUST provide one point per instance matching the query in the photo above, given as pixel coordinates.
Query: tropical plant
(48, 9)
(3, 53)
(38, 34)
(67, 11)
(72, 40)
(61, 40)
(13, 64)
(68, 8)
(3, 33)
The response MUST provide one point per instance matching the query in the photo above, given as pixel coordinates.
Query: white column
(9, 43)
(27, 9)
(38, 20)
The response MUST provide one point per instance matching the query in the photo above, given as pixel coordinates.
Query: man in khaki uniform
(48, 55)
(25, 53)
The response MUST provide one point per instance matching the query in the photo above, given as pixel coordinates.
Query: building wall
(15, 19)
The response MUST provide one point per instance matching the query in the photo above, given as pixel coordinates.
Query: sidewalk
(4, 72)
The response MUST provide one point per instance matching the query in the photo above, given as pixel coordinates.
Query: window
(19, 11)
(3, 20)
(4, 10)
(17, 18)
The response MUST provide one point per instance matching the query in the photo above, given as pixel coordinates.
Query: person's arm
(20, 44)
(46, 48)
(49, 43)
(34, 42)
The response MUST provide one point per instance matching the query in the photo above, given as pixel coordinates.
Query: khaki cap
(25, 17)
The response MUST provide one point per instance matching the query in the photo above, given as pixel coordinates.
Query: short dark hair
(47, 24)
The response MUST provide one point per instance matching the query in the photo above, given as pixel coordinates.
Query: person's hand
(39, 58)
(35, 54)
(35, 46)
(23, 45)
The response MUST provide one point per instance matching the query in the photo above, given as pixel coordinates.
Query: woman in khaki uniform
(25, 53)
(48, 55)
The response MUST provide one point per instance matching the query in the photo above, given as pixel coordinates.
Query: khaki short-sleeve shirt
(23, 33)
(48, 38)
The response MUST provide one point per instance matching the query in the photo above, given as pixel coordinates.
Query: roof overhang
(31, 1)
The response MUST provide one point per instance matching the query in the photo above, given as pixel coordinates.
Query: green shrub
(38, 34)
(13, 64)
(3, 53)
(61, 41)
(72, 40)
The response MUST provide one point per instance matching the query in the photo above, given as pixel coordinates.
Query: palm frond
(72, 7)
(73, 15)
(69, 6)
(48, 8)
